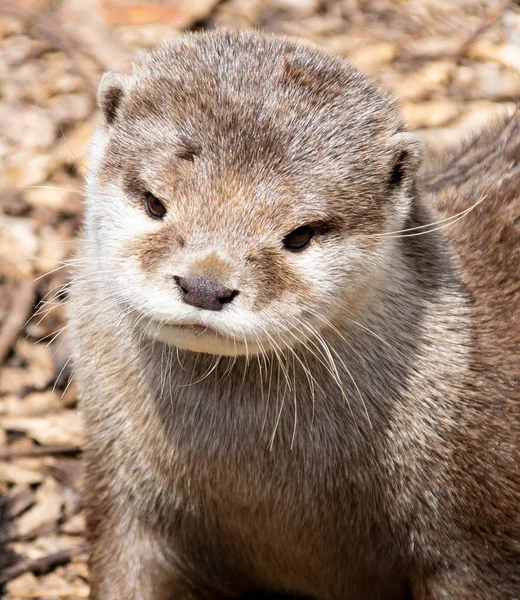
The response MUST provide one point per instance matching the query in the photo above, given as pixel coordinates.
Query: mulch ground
(453, 64)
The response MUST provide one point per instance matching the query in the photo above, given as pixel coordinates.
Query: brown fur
(215, 477)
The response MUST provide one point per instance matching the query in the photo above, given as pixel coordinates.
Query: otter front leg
(129, 561)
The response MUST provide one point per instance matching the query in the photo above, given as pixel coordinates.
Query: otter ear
(407, 153)
(111, 91)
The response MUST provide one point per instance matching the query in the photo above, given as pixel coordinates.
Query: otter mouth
(196, 329)
(199, 337)
(195, 337)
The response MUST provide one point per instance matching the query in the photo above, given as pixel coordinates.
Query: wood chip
(45, 513)
(17, 474)
(18, 246)
(59, 428)
(432, 113)
(506, 54)
(373, 56)
(75, 525)
(21, 497)
(180, 13)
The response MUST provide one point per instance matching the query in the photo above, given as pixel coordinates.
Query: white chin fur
(208, 342)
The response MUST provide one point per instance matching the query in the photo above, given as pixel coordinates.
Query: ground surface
(454, 64)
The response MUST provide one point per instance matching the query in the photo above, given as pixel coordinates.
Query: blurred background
(454, 64)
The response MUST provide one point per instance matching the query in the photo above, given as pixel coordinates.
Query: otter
(297, 347)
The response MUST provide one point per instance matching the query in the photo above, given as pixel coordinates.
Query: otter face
(239, 188)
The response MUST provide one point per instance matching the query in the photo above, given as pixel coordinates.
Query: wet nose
(204, 293)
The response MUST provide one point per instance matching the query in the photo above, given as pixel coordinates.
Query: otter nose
(204, 293)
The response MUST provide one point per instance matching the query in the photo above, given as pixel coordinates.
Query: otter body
(292, 383)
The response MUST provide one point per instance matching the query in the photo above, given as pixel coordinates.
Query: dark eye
(298, 239)
(153, 206)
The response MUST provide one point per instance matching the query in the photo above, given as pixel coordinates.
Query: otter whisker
(277, 351)
(206, 375)
(179, 360)
(342, 362)
(162, 375)
(51, 187)
(295, 404)
(264, 422)
(69, 382)
(230, 367)
(448, 221)
(306, 370)
(188, 388)
(331, 367)
(308, 374)
(246, 364)
(452, 222)
(282, 403)
(50, 335)
(313, 393)
(62, 370)
(261, 355)
(170, 370)
(338, 332)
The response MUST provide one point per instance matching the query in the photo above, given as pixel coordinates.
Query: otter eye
(298, 239)
(153, 206)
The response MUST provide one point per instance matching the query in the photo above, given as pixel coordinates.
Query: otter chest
(280, 518)
(264, 520)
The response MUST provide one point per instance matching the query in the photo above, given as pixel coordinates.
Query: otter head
(239, 188)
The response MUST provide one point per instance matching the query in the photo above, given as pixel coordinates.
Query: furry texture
(345, 428)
